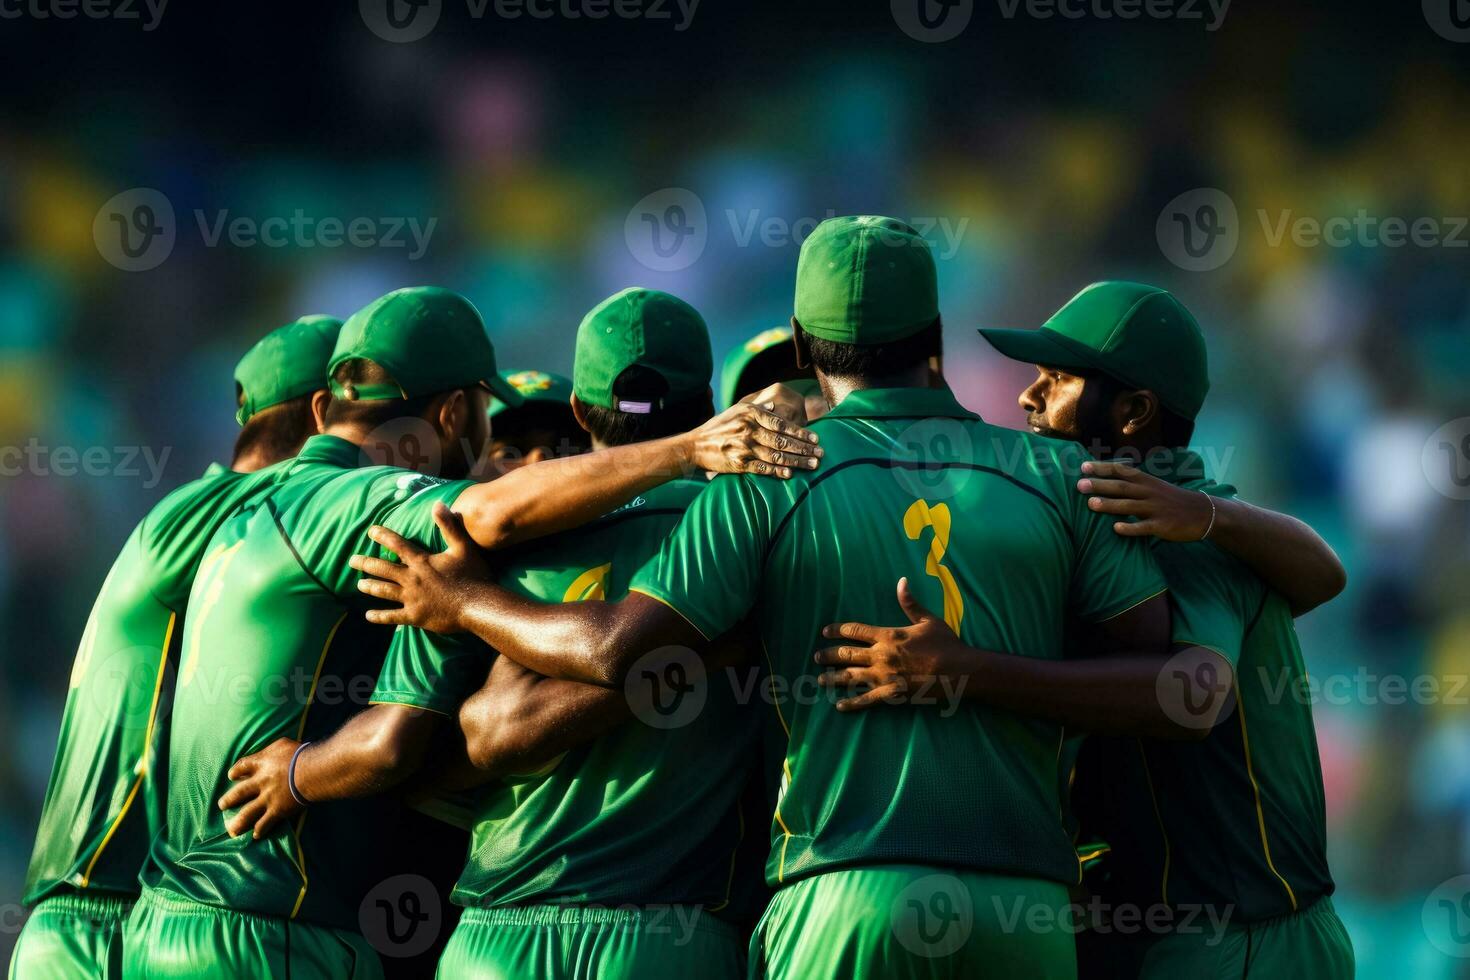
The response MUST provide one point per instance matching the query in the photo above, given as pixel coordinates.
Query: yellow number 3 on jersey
(919, 516)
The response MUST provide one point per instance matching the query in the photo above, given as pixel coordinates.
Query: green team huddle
(476, 673)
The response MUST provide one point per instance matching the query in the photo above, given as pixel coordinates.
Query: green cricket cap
(429, 339)
(286, 363)
(865, 279)
(733, 385)
(1139, 335)
(651, 329)
(533, 387)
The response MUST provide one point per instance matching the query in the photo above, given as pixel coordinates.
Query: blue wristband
(291, 776)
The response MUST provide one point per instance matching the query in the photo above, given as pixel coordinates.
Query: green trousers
(168, 937)
(553, 942)
(72, 935)
(912, 922)
(1310, 944)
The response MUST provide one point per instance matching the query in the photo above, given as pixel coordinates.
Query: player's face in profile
(1052, 403)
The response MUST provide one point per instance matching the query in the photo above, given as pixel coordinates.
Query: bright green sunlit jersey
(987, 526)
(104, 802)
(275, 645)
(646, 814)
(1237, 820)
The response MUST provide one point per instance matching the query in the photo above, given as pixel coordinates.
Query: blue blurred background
(1038, 153)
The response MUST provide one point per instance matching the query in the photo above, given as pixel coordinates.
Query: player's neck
(922, 375)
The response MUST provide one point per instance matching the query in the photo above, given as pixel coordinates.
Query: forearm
(1284, 552)
(590, 642)
(374, 752)
(521, 724)
(558, 494)
(1115, 695)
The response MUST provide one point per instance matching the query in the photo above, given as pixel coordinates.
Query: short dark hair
(638, 383)
(534, 422)
(1174, 429)
(370, 411)
(839, 360)
(277, 432)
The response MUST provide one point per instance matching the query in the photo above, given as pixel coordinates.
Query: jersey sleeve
(422, 669)
(1212, 598)
(1113, 573)
(709, 569)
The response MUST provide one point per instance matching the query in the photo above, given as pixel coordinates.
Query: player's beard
(1034, 423)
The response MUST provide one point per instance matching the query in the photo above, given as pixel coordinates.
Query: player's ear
(454, 414)
(798, 340)
(1135, 412)
(320, 399)
(579, 412)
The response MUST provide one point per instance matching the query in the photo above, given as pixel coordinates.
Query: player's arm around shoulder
(1286, 553)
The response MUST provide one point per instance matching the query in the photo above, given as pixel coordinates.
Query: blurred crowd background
(1044, 151)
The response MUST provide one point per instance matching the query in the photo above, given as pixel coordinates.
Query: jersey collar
(331, 451)
(889, 403)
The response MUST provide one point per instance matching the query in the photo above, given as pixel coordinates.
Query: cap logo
(766, 338)
(633, 408)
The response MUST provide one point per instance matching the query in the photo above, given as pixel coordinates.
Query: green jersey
(987, 526)
(1236, 820)
(104, 802)
(626, 819)
(276, 645)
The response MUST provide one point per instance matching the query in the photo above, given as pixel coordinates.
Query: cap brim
(504, 390)
(1035, 347)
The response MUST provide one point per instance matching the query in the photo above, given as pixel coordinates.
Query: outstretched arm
(1285, 553)
(1113, 693)
(765, 436)
(592, 642)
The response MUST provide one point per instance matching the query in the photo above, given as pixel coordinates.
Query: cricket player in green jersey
(770, 357)
(105, 801)
(600, 851)
(1224, 835)
(277, 653)
(541, 427)
(902, 841)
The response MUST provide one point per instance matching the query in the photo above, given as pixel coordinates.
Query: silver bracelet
(291, 776)
(1211, 526)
